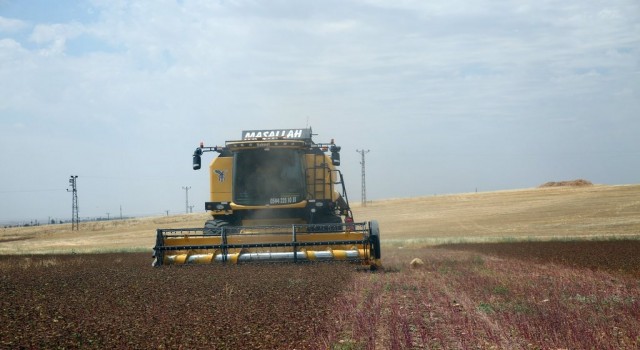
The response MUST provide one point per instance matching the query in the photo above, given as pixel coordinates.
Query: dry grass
(529, 214)
(115, 235)
(591, 212)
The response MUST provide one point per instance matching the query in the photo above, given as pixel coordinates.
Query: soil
(108, 301)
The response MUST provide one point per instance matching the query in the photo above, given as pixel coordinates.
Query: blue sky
(449, 96)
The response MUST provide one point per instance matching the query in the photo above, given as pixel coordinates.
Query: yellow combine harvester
(274, 197)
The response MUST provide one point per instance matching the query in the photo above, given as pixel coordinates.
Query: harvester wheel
(374, 237)
(214, 227)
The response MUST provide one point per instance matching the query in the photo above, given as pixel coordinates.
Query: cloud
(10, 50)
(53, 37)
(433, 88)
(10, 25)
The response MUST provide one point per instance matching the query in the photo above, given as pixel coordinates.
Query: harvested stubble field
(536, 287)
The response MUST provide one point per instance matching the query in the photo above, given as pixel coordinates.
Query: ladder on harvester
(320, 177)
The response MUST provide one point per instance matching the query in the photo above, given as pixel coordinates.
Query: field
(552, 268)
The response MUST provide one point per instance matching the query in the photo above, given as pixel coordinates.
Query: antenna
(364, 186)
(186, 190)
(74, 203)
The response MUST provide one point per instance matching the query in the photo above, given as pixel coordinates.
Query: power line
(186, 190)
(75, 219)
(364, 186)
(27, 191)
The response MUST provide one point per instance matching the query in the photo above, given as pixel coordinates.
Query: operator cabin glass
(268, 177)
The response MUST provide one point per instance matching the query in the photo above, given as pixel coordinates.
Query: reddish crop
(468, 300)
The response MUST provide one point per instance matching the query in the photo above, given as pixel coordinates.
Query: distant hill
(572, 183)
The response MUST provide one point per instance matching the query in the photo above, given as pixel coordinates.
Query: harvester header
(275, 195)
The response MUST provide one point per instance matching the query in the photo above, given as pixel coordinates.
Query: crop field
(545, 268)
(459, 299)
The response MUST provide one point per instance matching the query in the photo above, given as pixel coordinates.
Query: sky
(448, 96)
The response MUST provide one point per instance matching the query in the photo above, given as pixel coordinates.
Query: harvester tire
(214, 227)
(374, 241)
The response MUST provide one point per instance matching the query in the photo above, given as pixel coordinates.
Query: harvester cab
(275, 195)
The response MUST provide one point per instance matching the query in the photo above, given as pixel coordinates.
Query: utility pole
(186, 190)
(74, 203)
(364, 186)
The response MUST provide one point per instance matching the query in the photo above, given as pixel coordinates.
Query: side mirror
(335, 155)
(197, 161)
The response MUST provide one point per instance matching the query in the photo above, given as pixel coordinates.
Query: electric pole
(186, 190)
(364, 186)
(74, 203)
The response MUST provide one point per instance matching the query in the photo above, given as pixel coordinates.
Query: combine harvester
(274, 197)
